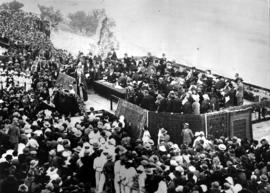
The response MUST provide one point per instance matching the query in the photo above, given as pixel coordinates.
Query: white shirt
(162, 187)
(142, 178)
(99, 163)
(129, 174)
(32, 143)
(117, 167)
(93, 135)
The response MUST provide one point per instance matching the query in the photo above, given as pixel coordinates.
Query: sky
(224, 36)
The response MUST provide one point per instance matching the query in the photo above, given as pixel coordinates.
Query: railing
(4, 42)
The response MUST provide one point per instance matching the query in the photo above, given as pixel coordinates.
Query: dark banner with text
(133, 114)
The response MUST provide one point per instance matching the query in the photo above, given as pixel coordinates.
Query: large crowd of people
(22, 28)
(159, 85)
(42, 150)
(152, 83)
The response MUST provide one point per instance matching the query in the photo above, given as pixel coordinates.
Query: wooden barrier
(4, 42)
(173, 123)
(240, 123)
(236, 122)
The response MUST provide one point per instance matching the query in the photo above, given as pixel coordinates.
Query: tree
(13, 5)
(78, 20)
(50, 14)
(87, 23)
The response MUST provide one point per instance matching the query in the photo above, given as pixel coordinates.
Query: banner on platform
(217, 124)
(64, 80)
(134, 115)
(240, 123)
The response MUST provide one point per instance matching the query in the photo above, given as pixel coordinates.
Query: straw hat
(222, 147)
(33, 163)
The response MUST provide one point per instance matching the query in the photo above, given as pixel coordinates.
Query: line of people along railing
(252, 86)
(257, 107)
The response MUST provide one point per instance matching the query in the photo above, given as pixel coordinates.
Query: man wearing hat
(187, 135)
(264, 181)
(129, 175)
(141, 178)
(14, 133)
(148, 101)
(108, 171)
(117, 170)
(161, 103)
(239, 92)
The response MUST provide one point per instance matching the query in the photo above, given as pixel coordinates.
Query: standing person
(117, 166)
(86, 171)
(187, 135)
(118, 171)
(196, 105)
(14, 133)
(98, 167)
(129, 175)
(148, 101)
(236, 77)
(162, 135)
(161, 103)
(187, 104)
(239, 92)
(141, 178)
(205, 106)
(81, 82)
(108, 171)
(230, 95)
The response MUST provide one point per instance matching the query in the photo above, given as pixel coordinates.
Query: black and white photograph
(134, 96)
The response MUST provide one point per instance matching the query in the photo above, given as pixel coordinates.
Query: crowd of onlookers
(21, 28)
(44, 150)
(152, 83)
(49, 153)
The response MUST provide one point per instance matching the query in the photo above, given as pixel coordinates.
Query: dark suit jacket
(187, 108)
(176, 105)
(169, 106)
(14, 133)
(162, 106)
(148, 102)
(205, 106)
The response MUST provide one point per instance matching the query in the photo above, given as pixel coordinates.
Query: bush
(50, 14)
(13, 5)
(86, 23)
